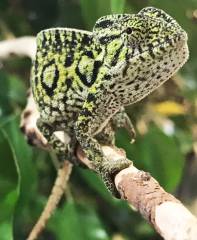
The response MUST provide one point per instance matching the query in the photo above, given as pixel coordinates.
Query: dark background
(166, 126)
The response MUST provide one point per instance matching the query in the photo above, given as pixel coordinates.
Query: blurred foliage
(166, 143)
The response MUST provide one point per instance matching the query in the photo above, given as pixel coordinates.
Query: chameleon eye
(129, 30)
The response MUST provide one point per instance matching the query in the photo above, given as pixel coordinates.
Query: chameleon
(83, 80)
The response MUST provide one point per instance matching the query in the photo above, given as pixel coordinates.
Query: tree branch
(23, 46)
(167, 214)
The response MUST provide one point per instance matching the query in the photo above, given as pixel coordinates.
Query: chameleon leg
(119, 120)
(62, 150)
(105, 168)
(122, 120)
(106, 136)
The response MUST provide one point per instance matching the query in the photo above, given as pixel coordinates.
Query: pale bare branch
(168, 215)
(53, 200)
(23, 46)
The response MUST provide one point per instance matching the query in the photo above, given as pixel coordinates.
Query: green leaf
(92, 10)
(95, 183)
(88, 14)
(23, 153)
(158, 154)
(103, 7)
(9, 186)
(12, 93)
(65, 223)
(117, 6)
(6, 231)
(17, 90)
(4, 89)
(77, 222)
(92, 227)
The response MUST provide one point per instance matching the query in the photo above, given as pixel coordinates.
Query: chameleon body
(82, 80)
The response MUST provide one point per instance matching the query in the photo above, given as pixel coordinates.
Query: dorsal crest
(108, 27)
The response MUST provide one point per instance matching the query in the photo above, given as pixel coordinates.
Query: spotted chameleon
(81, 81)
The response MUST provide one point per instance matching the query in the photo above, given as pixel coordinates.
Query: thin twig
(53, 200)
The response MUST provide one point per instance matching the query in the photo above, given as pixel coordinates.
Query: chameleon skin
(82, 81)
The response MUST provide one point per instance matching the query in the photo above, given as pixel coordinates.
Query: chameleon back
(59, 74)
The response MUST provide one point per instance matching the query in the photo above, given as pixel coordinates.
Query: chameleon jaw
(153, 67)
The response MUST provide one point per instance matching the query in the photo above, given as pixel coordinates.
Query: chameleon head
(155, 47)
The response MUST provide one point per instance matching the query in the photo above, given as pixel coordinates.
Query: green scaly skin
(82, 81)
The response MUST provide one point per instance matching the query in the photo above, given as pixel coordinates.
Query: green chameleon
(81, 81)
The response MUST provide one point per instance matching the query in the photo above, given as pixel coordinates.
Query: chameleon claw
(108, 171)
(132, 141)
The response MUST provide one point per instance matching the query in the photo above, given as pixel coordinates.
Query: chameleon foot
(122, 120)
(109, 169)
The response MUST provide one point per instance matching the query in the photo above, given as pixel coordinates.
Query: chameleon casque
(81, 81)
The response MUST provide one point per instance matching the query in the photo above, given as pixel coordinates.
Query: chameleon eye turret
(81, 80)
